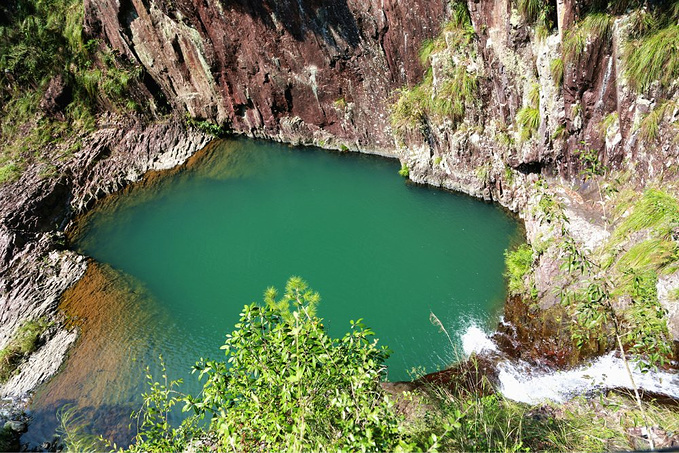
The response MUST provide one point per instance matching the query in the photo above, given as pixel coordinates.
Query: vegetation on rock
(25, 341)
(52, 83)
(457, 87)
(518, 263)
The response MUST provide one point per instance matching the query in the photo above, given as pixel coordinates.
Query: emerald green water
(248, 214)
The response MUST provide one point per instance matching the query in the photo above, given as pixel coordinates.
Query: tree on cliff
(285, 385)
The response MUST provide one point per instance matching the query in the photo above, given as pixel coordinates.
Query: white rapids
(522, 382)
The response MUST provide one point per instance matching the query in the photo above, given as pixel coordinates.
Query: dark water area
(179, 256)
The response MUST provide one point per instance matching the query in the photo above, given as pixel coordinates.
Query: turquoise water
(246, 215)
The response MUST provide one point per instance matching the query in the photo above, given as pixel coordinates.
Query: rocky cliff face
(302, 70)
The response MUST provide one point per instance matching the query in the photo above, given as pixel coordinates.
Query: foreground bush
(285, 385)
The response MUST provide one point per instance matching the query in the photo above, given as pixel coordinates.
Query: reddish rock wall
(261, 67)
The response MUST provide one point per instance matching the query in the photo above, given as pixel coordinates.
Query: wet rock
(35, 269)
(16, 426)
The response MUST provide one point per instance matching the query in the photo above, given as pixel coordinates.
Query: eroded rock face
(296, 70)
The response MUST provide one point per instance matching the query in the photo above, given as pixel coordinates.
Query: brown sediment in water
(102, 299)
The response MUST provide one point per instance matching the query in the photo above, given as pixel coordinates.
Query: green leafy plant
(284, 385)
(404, 171)
(155, 433)
(206, 126)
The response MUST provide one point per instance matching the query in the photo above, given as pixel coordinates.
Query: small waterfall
(475, 340)
(522, 382)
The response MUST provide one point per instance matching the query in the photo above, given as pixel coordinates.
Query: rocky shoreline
(36, 267)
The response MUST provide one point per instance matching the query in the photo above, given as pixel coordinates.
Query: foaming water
(476, 341)
(519, 381)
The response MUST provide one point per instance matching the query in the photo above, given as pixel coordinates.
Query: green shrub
(404, 171)
(284, 385)
(518, 264)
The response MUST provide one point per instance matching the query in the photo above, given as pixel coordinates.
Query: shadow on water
(328, 20)
(110, 421)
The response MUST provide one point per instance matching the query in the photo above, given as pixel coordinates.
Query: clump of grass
(528, 119)
(409, 112)
(26, 340)
(518, 263)
(9, 172)
(649, 128)
(608, 121)
(451, 98)
(460, 17)
(653, 58)
(73, 431)
(426, 50)
(529, 9)
(656, 210)
(594, 26)
(556, 68)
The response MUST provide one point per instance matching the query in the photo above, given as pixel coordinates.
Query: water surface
(192, 248)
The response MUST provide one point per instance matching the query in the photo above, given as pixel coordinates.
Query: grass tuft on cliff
(26, 340)
(653, 58)
(593, 27)
(456, 88)
(53, 82)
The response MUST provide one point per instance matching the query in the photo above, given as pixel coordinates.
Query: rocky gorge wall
(327, 73)
(299, 71)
